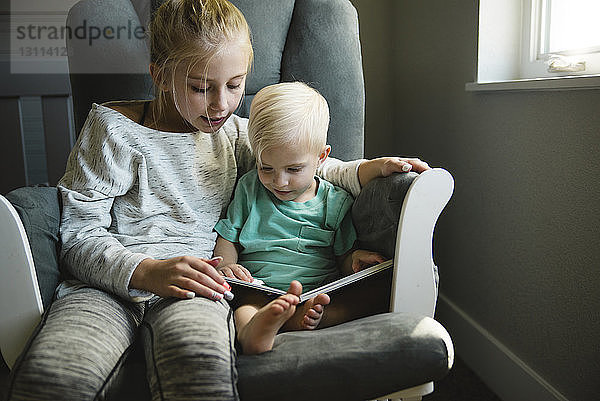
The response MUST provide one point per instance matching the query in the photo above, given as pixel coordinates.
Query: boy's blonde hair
(288, 114)
(193, 31)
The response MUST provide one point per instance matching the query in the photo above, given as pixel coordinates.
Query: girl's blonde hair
(193, 31)
(288, 114)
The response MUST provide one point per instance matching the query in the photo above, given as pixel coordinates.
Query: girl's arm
(97, 172)
(102, 167)
(353, 175)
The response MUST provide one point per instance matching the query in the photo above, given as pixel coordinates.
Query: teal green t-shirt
(285, 240)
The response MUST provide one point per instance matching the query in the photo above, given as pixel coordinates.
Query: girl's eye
(197, 89)
(295, 169)
(234, 86)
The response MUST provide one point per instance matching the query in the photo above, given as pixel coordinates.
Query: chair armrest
(396, 217)
(39, 211)
(376, 212)
(20, 301)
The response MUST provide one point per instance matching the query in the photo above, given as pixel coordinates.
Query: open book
(326, 288)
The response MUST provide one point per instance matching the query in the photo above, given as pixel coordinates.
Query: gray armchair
(315, 41)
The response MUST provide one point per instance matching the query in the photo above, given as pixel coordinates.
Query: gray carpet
(461, 384)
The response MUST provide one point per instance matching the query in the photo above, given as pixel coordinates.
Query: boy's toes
(314, 314)
(289, 299)
(295, 288)
(309, 323)
(318, 308)
(322, 299)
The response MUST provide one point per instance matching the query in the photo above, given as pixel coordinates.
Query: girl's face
(207, 95)
(289, 173)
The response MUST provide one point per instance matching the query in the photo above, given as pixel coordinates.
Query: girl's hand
(180, 277)
(385, 166)
(362, 259)
(391, 165)
(236, 271)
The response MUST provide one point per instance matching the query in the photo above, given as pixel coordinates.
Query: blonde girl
(144, 186)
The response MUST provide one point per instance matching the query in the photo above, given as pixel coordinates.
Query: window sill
(537, 84)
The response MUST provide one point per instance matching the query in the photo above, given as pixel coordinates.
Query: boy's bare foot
(309, 315)
(258, 334)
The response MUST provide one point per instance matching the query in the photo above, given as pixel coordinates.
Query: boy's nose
(280, 179)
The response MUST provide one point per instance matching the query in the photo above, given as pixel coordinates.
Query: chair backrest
(289, 37)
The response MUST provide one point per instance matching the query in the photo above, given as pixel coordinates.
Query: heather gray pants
(86, 334)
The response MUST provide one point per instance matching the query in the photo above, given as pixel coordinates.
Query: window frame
(505, 33)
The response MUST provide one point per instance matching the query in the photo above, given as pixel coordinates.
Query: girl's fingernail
(216, 296)
(190, 295)
(228, 295)
(219, 258)
(406, 167)
(227, 286)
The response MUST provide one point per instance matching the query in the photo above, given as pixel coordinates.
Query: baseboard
(500, 369)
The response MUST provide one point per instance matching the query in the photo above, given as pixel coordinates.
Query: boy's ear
(324, 154)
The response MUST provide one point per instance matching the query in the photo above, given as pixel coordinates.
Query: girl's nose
(218, 101)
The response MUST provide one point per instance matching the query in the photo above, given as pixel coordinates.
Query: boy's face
(289, 173)
(206, 96)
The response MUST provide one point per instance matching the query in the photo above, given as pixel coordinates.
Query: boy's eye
(294, 169)
(266, 169)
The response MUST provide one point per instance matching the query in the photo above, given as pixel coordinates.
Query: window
(538, 43)
(561, 37)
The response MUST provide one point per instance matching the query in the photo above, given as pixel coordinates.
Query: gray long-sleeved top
(132, 192)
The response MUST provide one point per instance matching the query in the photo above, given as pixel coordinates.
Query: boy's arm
(344, 263)
(228, 266)
(385, 166)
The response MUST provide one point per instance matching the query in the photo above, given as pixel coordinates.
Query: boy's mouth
(281, 192)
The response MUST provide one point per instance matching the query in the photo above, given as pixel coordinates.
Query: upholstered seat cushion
(359, 360)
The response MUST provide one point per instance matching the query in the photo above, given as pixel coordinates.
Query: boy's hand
(236, 271)
(362, 259)
(180, 277)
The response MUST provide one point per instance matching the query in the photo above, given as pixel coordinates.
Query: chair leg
(410, 394)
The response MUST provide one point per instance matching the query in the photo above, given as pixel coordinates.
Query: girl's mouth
(213, 121)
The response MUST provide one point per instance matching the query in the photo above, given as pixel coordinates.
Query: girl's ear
(324, 154)
(158, 77)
